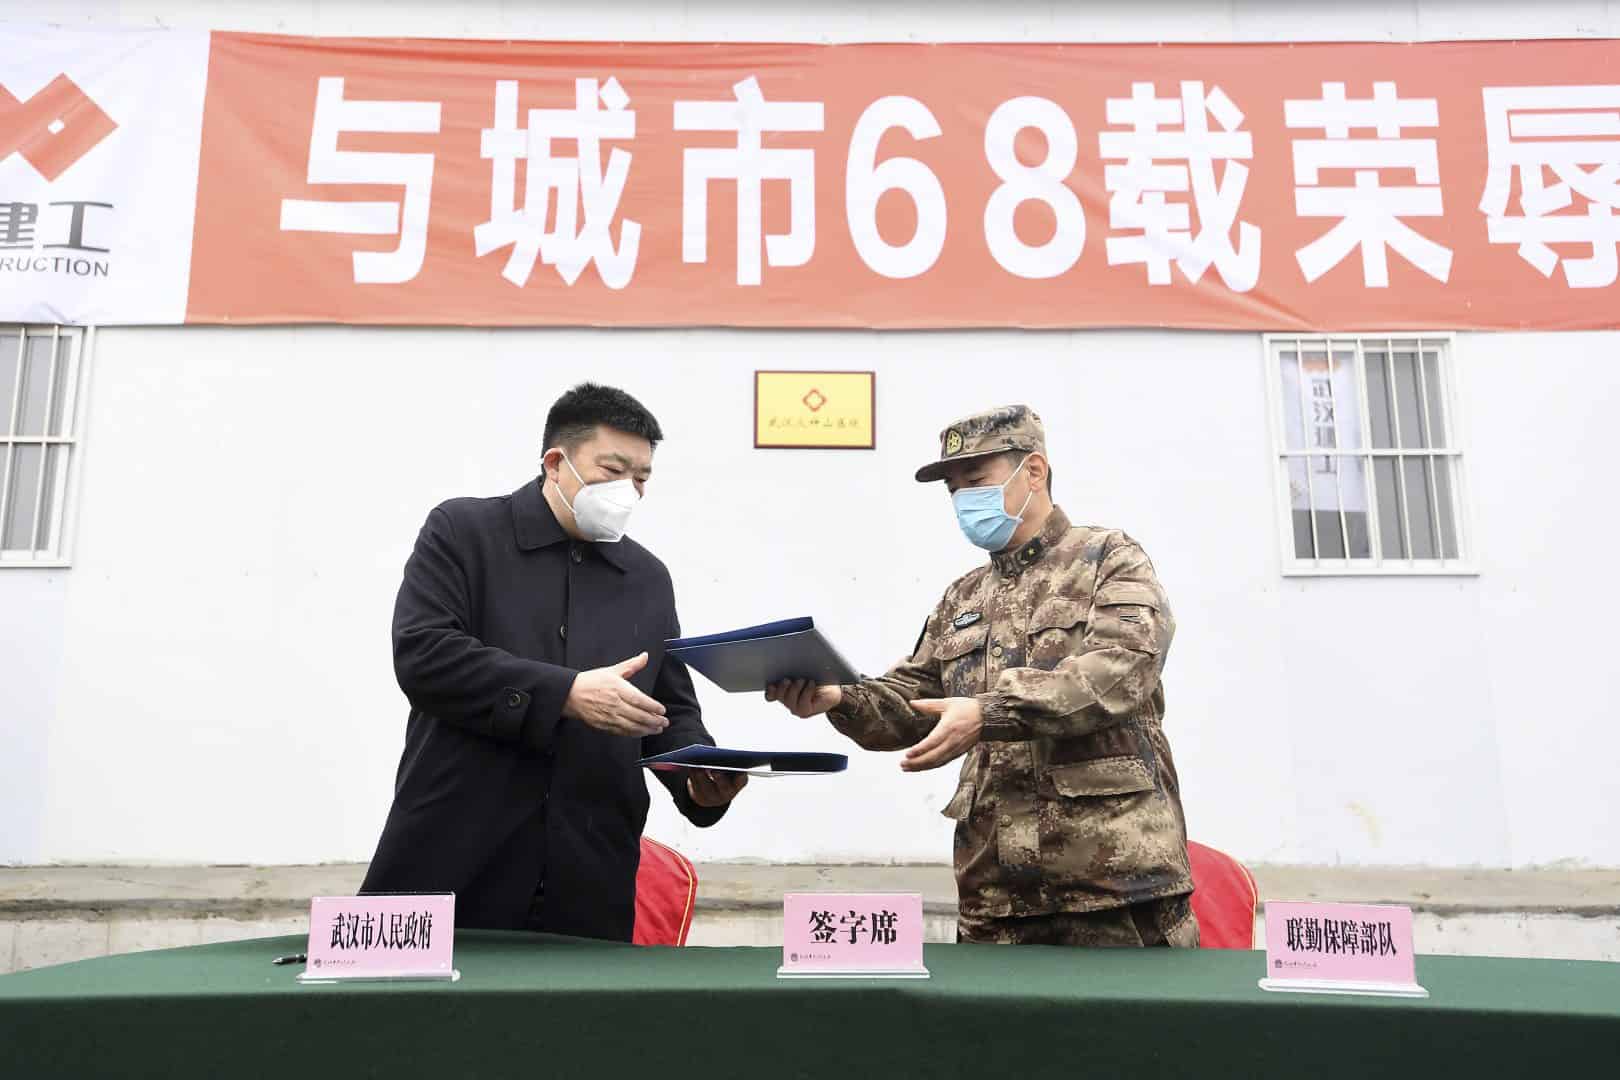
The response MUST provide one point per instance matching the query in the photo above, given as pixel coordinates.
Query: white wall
(211, 681)
(32, 604)
(249, 496)
(852, 20)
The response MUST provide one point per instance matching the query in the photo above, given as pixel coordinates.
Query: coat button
(996, 651)
(513, 700)
(576, 556)
(562, 632)
(1006, 819)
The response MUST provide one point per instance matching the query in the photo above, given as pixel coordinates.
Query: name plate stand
(397, 936)
(852, 935)
(1363, 949)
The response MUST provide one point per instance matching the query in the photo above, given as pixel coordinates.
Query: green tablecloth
(549, 1007)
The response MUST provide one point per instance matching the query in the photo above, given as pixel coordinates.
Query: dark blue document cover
(747, 660)
(753, 762)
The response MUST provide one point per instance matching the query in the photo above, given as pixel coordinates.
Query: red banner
(1255, 186)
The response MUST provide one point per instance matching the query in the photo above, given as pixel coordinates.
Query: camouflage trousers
(1168, 922)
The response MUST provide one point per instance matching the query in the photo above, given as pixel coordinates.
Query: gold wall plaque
(815, 410)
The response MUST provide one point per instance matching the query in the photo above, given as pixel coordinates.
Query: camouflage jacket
(1070, 801)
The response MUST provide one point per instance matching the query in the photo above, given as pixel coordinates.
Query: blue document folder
(747, 660)
(752, 762)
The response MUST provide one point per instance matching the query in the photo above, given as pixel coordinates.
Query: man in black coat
(528, 639)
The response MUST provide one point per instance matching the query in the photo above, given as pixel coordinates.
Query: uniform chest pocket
(1056, 629)
(961, 661)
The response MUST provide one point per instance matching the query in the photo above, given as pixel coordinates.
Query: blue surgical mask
(982, 513)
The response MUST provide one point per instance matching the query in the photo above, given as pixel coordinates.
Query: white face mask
(601, 511)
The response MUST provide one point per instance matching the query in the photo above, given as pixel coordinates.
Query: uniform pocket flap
(961, 803)
(960, 643)
(1103, 776)
(1059, 613)
(1130, 592)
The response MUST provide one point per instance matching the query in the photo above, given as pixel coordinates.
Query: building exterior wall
(211, 681)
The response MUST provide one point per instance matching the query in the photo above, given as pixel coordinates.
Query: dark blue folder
(753, 762)
(748, 660)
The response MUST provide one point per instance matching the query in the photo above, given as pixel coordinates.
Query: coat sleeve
(445, 670)
(1110, 675)
(877, 713)
(673, 688)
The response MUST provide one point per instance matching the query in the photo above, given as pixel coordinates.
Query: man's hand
(804, 698)
(604, 699)
(960, 720)
(710, 788)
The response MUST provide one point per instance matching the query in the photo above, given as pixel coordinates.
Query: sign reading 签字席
(1340, 949)
(877, 935)
(151, 176)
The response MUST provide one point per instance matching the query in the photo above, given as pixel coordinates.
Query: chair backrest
(666, 889)
(1225, 899)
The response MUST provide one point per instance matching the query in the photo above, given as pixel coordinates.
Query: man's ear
(550, 463)
(1037, 472)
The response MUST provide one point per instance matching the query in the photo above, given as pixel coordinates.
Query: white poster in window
(1324, 414)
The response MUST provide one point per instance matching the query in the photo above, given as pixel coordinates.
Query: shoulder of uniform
(1091, 543)
(964, 586)
(1121, 541)
(959, 593)
(954, 603)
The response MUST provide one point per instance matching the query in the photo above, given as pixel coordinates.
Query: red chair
(1225, 899)
(666, 889)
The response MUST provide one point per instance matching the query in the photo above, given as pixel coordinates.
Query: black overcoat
(499, 797)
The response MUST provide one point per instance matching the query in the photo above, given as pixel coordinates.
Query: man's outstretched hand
(709, 787)
(804, 698)
(604, 699)
(960, 722)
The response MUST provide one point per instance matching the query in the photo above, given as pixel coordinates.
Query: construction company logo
(52, 131)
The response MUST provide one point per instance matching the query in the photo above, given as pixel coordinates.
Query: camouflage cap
(1011, 427)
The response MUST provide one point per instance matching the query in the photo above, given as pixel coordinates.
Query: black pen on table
(295, 958)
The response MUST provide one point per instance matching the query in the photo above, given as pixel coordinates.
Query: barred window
(1368, 466)
(39, 389)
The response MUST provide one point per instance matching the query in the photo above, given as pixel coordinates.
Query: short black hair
(576, 415)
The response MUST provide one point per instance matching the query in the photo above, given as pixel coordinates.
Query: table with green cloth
(535, 1006)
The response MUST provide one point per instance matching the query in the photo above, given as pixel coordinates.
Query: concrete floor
(52, 915)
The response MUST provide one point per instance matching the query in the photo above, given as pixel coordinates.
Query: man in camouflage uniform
(1042, 667)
